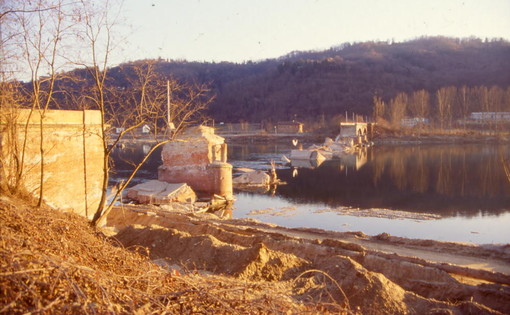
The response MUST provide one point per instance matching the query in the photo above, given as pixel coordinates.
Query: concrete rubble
(311, 154)
(198, 158)
(344, 145)
(255, 178)
(158, 192)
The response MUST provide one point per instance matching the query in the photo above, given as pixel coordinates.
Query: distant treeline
(446, 108)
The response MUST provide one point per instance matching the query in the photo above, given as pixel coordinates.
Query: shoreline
(431, 271)
(127, 215)
(380, 139)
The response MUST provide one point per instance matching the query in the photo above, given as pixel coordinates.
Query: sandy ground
(465, 255)
(412, 275)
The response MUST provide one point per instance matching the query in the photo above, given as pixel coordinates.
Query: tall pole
(169, 119)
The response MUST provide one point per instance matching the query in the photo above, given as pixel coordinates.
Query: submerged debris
(257, 180)
(341, 147)
(254, 178)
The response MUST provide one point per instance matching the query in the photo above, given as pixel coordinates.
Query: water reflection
(449, 180)
(126, 157)
(356, 160)
(444, 179)
(311, 164)
(465, 184)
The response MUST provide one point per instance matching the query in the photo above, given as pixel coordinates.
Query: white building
(412, 122)
(495, 116)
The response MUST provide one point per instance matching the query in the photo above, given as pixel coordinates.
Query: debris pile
(253, 177)
(330, 149)
(257, 180)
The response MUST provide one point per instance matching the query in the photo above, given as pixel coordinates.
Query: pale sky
(242, 30)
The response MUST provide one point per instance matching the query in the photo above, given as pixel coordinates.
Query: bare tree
(464, 103)
(379, 108)
(97, 32)
(398, 108)
(445, 97)
(11, 155)
(420, 102)
(419, 105)
(43, 32)
(31, 40)
(55, 34)
(506, 102)
(155, 100)
(496, 98)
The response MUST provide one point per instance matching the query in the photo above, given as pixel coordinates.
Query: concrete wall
(72, 153)
(354, 129)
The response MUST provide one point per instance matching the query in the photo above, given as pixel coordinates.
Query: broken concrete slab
(158, 192)
(254, 178)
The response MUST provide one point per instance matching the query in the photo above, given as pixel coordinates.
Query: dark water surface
(463, 185)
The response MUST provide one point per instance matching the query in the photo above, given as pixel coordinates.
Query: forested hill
(305, 85)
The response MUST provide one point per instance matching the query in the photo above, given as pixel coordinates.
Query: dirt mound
(317, 270)
(205, 252)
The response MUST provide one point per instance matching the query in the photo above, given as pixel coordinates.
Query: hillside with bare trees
(319, 85)
(310, 85)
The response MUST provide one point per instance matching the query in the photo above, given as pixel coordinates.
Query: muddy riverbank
(384, 273)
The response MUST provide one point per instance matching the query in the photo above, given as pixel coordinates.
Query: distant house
(413, 122)
(494, 116)
(119, 129)
(289, 127)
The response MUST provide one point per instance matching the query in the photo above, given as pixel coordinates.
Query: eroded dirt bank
(381, 274)
(55, 263)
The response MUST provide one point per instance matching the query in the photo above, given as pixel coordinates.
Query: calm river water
(388, 189)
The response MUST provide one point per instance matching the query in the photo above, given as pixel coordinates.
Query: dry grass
(53, 262)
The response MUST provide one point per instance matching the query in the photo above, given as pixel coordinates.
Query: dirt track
(368, 272)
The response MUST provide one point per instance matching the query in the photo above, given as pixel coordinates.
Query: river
(441, 192)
